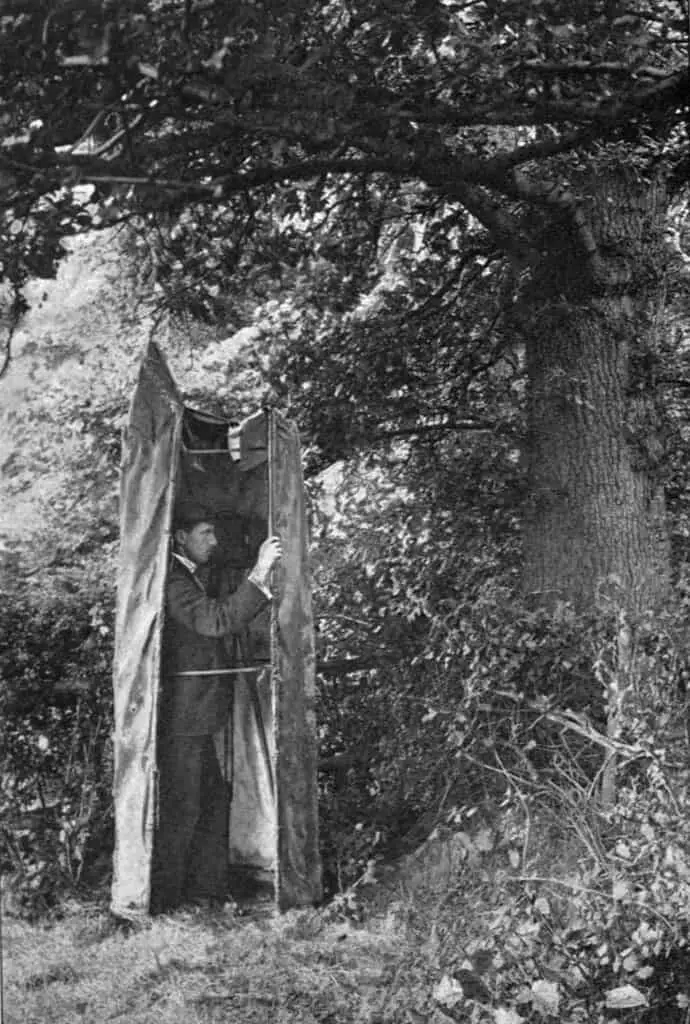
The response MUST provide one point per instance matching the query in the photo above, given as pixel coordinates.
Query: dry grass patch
(296, 968)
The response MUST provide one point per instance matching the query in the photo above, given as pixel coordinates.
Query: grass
(373, 959)
(465, 929)
(299, 967)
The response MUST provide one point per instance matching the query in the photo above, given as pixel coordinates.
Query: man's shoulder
(176, 570)
(180, 578)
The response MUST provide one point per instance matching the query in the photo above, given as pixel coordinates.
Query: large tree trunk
(595, 528)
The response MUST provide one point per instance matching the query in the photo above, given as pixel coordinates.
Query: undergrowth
(462, 804)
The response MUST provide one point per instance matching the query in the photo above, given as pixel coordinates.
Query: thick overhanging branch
(504, 228)
(98, 165)
(666, 90)
(561, 200)
(75, 169)
(215, 185)
(669, 92)
(674, 382)
(666, 93)
(224, 185)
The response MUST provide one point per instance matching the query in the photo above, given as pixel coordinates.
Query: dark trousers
(191, 843)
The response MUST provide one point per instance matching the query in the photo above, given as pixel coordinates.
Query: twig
(89, 131)
(433, 428)
(576, 887)
(525, 808)
(578, 724)
(589, 67)
(15, 316)
(7, 356)
(345, 618)
(123, 132)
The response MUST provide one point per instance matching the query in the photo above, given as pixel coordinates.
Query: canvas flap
(298, 881)
(149, 459)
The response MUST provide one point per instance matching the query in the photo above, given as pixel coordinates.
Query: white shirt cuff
(261, 583)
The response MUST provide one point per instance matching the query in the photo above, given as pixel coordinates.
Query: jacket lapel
(193, 575)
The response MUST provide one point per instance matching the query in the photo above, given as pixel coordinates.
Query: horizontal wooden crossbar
(223, 671)
(342, 666)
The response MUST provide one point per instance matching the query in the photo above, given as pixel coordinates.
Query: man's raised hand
(270, 552)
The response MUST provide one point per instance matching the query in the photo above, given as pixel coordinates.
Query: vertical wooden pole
(270, 457)
(2, 973)
(275, 703)
(270, 445)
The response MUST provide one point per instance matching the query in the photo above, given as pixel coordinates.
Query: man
(191, 851)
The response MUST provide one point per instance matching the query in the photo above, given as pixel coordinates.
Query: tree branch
(453, 280)
(504, 228)
(674, 382)
(448, 427)
(588, 67)
(541, 150)
(240, 181)
(227, 184)
(123, 133)
(557, 197)
(673, 88)
(14, 323)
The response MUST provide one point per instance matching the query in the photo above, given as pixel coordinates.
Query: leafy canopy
(177, 105)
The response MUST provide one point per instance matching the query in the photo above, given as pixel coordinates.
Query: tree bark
(595, 528)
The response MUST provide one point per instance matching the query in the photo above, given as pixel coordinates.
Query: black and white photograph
(345, 511)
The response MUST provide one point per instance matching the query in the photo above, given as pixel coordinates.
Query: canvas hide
(269, 749)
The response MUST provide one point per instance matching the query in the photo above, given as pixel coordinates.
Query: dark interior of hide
(235, 491)
(210, 475)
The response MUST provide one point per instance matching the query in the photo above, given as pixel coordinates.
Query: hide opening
(250, 476)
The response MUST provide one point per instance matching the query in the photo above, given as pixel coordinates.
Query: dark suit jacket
(195, 625)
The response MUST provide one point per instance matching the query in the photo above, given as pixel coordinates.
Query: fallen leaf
(621, 889)
(546, 997)
(503, 1016)
(484, 840)
(625, 997)
(448, 992)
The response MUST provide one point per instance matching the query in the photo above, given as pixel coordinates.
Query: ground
(298, 967)
(372, 956)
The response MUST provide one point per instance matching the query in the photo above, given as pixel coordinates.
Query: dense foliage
(187, 116)
(56, 762)
(487, 723)
(471, 715)
(452, 169)
(375, 196)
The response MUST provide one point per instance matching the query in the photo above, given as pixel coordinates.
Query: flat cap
(188, 513)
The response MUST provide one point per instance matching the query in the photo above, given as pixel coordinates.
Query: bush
(499, 726)
(56, 760)
(576, 932)
(472, 699)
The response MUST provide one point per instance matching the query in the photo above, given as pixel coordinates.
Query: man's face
(199, 543)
